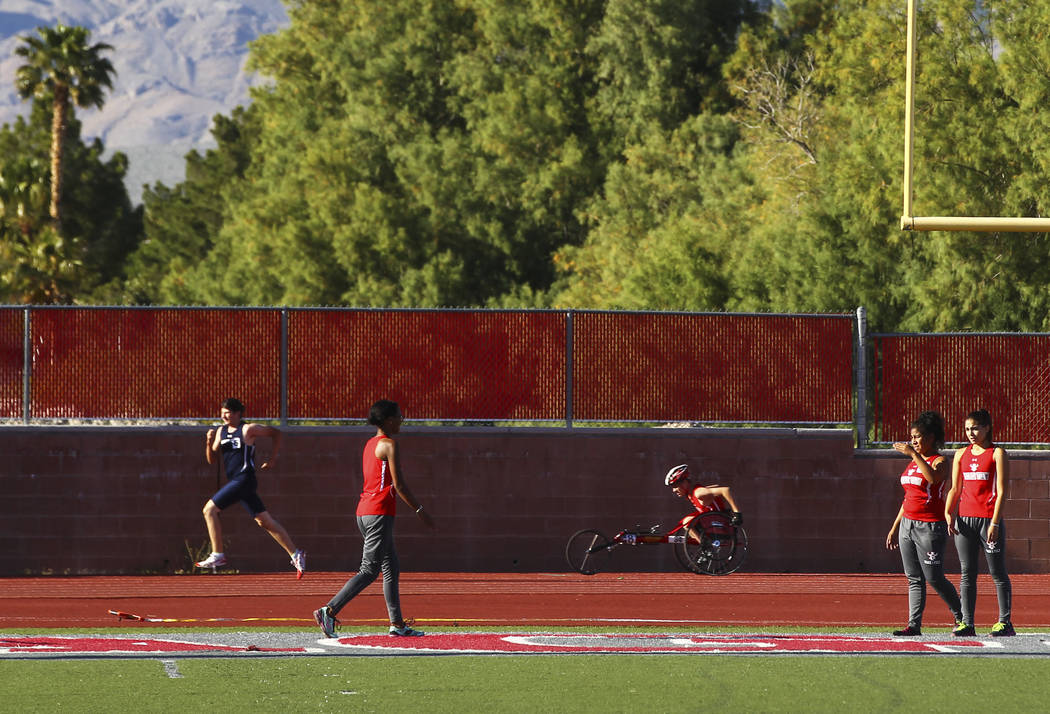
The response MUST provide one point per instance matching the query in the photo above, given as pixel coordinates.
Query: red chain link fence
(156, 363)
(490, 365)
(441, 365)
(436, 364)
(955, 374)
(12, 362)
(712, 368)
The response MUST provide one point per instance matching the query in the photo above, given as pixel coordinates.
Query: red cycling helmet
(676, 474)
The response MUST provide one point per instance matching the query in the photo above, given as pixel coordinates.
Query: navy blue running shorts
(243, 490)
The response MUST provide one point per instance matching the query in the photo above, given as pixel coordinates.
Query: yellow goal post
(911, 222)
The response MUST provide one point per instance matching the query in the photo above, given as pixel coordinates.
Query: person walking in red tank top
(919, 529)
(980, 474)
(383, 480)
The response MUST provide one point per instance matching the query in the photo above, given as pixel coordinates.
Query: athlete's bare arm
(254, 431)
(1002, 478)
(707, 494)
(210, 444)
(891, 537)
(386, 450)
(954, 491)
(724, 492)
(933, 473)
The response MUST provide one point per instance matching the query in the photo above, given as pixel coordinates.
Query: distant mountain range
(178, 63)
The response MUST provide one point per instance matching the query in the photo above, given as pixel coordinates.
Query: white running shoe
(299, 561)
(213, 561)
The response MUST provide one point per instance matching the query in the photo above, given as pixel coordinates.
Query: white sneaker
(213, 561)
(299, 561)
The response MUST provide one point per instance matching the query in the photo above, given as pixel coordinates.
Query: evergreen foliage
(685, 155)
(84, 261)
(66, 222)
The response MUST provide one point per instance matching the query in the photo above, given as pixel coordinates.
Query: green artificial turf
(534, 683)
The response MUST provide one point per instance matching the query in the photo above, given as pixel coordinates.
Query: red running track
(510, 599)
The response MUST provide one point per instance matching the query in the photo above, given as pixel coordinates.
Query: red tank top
(377, 493)
(717, 504)
(979, 485)
(923, 501)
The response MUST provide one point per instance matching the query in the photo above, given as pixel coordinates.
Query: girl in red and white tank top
(979, 477)
(919, 531)
(923, 500)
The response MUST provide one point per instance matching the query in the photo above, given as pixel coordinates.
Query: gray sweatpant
(973, 536)
(922, 546)
(378, 553)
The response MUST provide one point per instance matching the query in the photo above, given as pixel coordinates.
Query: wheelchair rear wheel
(713, 545)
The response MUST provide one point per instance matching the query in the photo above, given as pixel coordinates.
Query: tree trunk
(58, 140)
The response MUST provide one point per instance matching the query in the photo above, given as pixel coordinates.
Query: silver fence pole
(27, 365)
(568, 369)
(861, 379)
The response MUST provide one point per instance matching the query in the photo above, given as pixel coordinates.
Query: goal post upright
(909, 109)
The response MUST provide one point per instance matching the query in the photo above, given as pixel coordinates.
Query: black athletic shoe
(1003, 629)
(964, 630)
(908, 631)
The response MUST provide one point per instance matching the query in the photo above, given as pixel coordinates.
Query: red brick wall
(128, 500)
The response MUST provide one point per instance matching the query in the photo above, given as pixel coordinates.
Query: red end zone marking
(628, 643)
(107, 645)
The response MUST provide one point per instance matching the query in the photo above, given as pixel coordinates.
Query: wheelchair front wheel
(587, 551)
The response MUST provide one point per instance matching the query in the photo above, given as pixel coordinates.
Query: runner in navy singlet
(235, 440)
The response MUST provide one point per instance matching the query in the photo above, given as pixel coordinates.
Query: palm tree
(61, 67)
